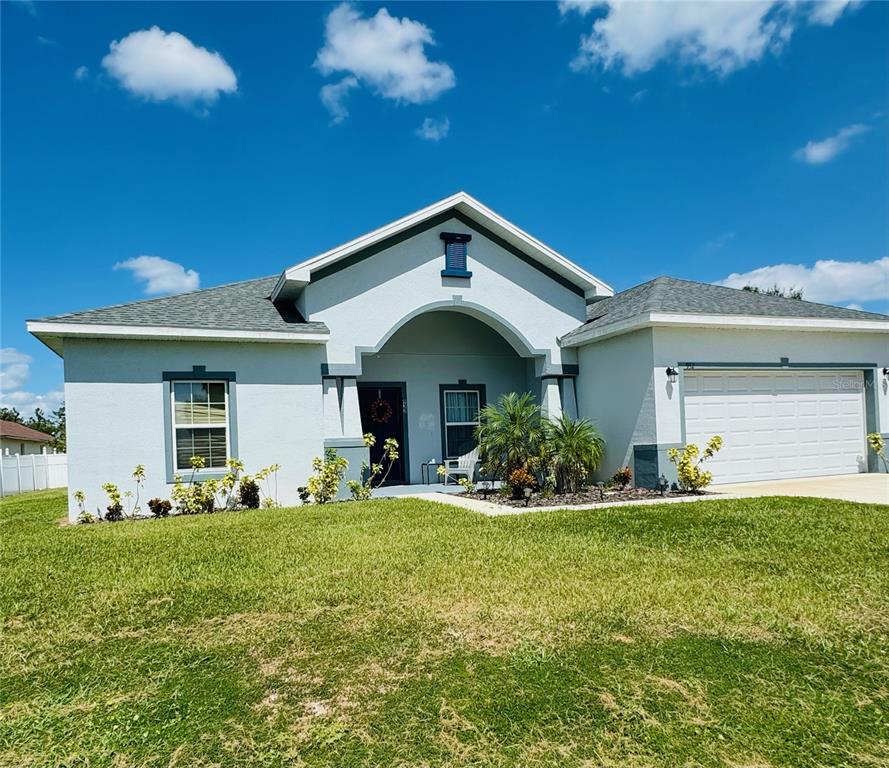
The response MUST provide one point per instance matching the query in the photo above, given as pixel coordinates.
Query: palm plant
(575, 449)
(510, 434)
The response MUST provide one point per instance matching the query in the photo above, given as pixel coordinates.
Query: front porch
(425, 388)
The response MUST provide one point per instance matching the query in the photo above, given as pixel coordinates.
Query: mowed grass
(401, 633)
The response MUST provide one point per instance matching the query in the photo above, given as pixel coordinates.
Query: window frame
(460, 386)
(208, 425)
(199, 374)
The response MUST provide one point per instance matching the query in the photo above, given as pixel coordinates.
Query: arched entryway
(427, 382)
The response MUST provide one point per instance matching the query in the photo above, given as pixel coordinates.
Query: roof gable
(467, 210)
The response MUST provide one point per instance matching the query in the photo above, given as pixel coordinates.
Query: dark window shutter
(455, 257)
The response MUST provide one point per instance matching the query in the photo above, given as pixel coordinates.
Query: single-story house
(409, 330)
(18, 439)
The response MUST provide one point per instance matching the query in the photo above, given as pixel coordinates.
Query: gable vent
(456, 254)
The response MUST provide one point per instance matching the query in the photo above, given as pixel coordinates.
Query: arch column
(342, 425)
(550, 397)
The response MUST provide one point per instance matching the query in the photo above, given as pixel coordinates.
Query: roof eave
(584, 335)
(53, 334)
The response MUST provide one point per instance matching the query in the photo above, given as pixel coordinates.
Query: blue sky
(696, 140)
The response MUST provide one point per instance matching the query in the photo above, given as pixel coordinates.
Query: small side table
(428, 471)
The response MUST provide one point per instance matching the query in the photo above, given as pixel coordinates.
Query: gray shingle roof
(243, 306)
(669, 294)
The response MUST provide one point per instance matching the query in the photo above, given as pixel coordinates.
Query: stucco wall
(114, 396)
(363, 303)
(615, 391)
(674, 345)
(442, 348)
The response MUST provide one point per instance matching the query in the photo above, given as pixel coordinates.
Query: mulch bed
(589, 496)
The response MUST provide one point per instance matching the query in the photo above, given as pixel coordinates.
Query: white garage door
(777, 424)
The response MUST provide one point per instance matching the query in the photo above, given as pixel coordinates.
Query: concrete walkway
(499, 510)
(867, 488)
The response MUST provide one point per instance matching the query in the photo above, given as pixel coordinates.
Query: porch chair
(462, 465)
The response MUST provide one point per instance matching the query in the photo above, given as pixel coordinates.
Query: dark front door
(382, 414)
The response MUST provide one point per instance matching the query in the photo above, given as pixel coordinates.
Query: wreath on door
(380, 411)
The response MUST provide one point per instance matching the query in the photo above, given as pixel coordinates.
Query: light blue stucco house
(410, 329)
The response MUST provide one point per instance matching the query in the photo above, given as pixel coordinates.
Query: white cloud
(15, 369)
(719, 36)
(81, 72)
(819, 152)
(827, 281)
(719, 242)
(385, 53)
(434, 130)
(826, 12)
(26, 402)
(162, 66)
(583, 7)
(160, 275)
(333, 97)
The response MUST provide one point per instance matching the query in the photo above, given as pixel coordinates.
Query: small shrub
(688, 466)
(304, 495)
(159, 507)
(466, 484)
(878, 446)
(86, 517)
(80, 498)
(139, 477)
(361, 491)
(518, 480)
(248, 493)
(324, 485)
(114, 511)
(622, 477)
(195, 498)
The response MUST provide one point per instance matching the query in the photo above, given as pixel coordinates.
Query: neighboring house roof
(225, 312)
(670, 301)
(16, 431)
(471, 212)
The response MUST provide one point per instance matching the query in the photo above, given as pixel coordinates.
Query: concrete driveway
(866, 488)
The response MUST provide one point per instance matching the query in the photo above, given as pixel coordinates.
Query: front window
(200, 423)
(461, 417)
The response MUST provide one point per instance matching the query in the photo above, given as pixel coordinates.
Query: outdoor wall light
(672, 375)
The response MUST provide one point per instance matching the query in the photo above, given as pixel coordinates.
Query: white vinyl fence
(34, 472)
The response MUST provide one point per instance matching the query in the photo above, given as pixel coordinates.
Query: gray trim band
(693, 366)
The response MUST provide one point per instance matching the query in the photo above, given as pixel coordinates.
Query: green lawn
(402, 633)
